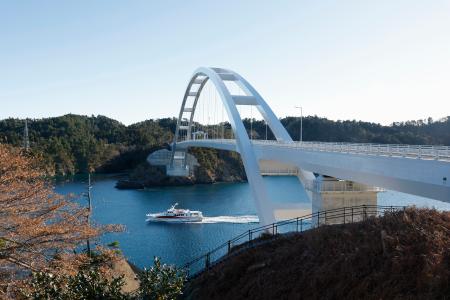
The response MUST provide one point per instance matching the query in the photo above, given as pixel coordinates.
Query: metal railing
(248, 240)
(338, 186)
(281, 171)
(394, 150)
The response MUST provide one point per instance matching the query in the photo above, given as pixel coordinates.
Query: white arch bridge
(419, 170)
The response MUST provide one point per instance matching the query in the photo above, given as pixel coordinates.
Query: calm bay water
(228, 207)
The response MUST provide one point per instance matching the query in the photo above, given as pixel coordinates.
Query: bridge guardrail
(339, 186)
(395, 150)
(246, 240)
(429, 152)
(286, 171)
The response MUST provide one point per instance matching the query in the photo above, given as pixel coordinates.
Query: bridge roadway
(413, 169)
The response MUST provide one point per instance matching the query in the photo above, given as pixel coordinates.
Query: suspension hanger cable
(203, 112)
(217, 114)
(239, 107)
(214, 118)
(208, 111)
(223, 122)
(216, 110)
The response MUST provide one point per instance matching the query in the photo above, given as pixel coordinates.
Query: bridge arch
(218, 76)
(414, 169)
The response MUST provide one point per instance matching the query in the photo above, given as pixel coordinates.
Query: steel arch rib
(243, 143)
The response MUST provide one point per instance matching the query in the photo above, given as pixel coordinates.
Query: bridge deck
(419, 170)
(426, 152)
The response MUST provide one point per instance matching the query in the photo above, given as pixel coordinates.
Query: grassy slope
(395, 257)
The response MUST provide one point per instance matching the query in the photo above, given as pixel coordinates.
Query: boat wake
(230, 219)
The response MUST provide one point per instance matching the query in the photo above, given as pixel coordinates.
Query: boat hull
(174, 219)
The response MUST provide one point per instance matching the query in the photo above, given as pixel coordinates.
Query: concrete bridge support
(329, 193)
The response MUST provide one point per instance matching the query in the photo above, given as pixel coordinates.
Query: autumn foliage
(39, 229)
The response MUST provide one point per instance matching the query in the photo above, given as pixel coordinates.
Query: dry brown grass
(403, 255)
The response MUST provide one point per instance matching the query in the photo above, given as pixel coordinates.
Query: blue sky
(379, 61)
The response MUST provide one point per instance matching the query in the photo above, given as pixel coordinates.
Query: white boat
(174, 214)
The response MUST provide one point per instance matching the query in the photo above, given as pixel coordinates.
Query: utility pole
(301, 122)
(26, 139)
(88, 244)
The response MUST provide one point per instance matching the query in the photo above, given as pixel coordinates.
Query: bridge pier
(329, 193)
(182, 163)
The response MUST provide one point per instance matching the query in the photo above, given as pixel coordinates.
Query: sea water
(228, 209)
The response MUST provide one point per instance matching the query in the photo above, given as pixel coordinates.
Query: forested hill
(72, 143)
(421, 132)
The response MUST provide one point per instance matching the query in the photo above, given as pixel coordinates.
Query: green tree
(89, 284)
(161, 282)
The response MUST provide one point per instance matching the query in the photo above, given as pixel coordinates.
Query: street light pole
(266, 128)
(301, 123)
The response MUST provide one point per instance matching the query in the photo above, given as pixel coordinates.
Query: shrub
(84, 285)
(161, 282)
